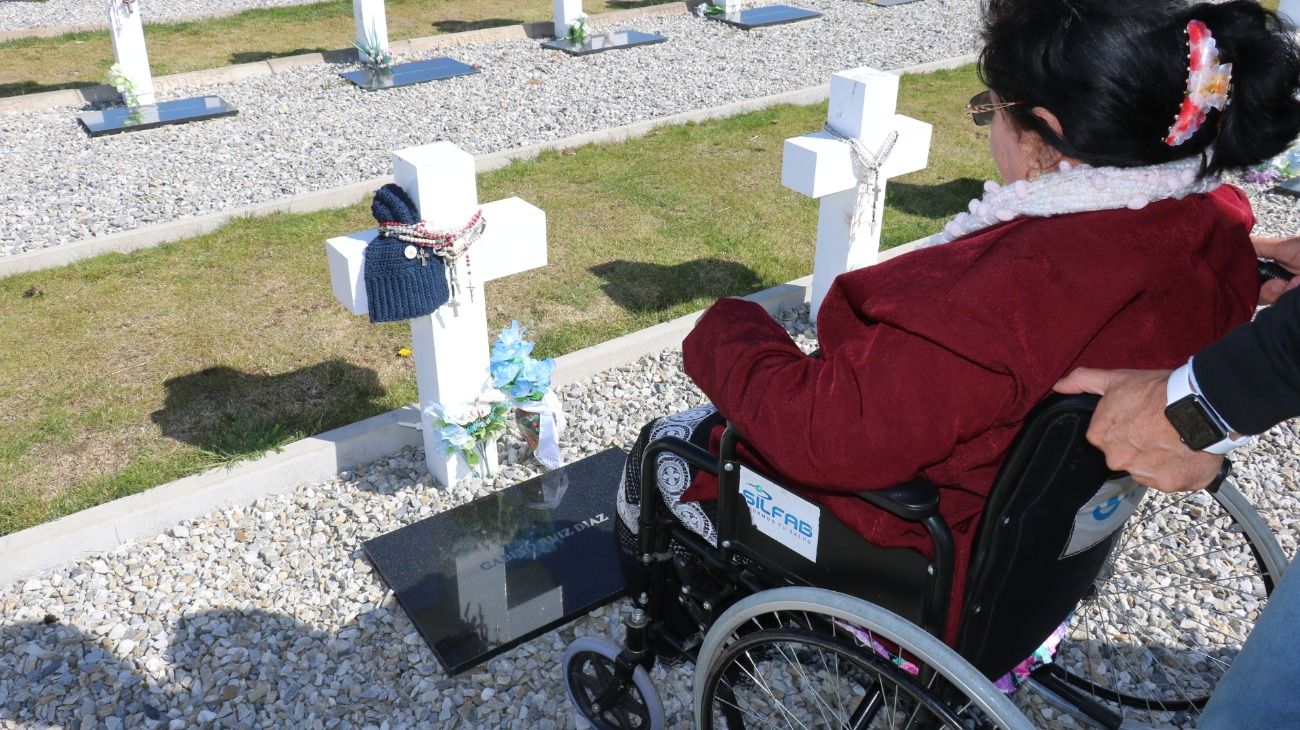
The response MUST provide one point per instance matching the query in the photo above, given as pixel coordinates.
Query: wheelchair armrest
(914, 501)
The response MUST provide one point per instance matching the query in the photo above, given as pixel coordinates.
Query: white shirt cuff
(1182, 382)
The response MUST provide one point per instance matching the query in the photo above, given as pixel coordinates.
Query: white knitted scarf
(1076, 189)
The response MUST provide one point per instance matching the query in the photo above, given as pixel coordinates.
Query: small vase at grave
(530, 427)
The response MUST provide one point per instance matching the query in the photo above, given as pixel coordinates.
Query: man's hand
(1285, 251)
(1130, 427)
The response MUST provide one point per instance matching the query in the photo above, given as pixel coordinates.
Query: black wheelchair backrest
(1053, 515)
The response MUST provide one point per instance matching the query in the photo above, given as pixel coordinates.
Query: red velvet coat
(931, 361)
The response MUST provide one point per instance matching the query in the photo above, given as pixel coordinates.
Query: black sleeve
(1252, 375)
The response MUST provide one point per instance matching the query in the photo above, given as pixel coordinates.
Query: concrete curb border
(237, 72)
(126, 241)
(313, 459)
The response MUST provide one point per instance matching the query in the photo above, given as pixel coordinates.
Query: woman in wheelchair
(1109, 242)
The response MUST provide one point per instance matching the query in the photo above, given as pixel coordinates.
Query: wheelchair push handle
(1270, 269)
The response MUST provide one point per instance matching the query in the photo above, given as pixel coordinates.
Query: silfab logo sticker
(1105, 513)
(781, 514)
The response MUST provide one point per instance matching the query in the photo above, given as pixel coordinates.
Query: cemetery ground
(31, 65)
(214, 349)
(126, 371)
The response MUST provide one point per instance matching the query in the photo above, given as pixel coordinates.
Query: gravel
(1276, 214)
(307, 129)
(21, 14)
(270, 616)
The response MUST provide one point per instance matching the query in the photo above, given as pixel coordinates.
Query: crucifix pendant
(876, 190)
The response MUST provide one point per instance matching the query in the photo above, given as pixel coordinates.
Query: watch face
(1193, 423)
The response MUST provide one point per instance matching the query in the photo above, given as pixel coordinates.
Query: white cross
(450, 346)
(371, 22)
(821, 166)
(127, 31)
(567, 14)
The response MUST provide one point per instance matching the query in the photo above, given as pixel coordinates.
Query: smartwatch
(1195, 420)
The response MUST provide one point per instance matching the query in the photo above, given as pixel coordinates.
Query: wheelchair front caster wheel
(589, 669)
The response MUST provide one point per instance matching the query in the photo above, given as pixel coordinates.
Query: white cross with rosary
(846, 166)
(450, 346)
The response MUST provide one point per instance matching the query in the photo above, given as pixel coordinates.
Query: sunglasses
(981, 108)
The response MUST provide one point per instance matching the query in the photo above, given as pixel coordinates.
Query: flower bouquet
(472, 428)
(372, 54)
(527, 383)
(578, 35)
(1281, 167)
(710, 10)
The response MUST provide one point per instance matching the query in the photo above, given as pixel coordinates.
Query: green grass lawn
(30, 65)
(127, 371)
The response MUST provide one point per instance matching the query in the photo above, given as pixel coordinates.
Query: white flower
(469, 411)
(462, 413)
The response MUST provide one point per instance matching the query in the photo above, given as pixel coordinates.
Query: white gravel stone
(307, 129)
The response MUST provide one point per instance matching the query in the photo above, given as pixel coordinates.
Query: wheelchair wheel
(1181, 592)
(589, 666)
(811, 658)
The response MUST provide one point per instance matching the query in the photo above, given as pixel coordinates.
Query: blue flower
(455, 435)
(504, 371)
(510, 344)
(521, 389)
(538, 372)
(503, 351)
(512, 334)
(436, 413)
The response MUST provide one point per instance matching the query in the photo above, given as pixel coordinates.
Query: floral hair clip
(1208, 82)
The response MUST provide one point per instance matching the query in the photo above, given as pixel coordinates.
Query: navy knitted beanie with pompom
(399, 288)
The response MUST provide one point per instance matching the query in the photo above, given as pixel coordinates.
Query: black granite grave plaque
(890, 3)
(751, 18)
(483, 577)
(1290, 186)
(125, 119)
(604, 42)
(405, 74)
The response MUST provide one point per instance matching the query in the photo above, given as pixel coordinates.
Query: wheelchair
(852, 638)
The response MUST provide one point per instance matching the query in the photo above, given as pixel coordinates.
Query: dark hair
(1114, 73)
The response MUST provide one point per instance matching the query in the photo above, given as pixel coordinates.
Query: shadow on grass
(19, 88)
(641, 287)
(460, 26)
(934, 201)
(230, 414)
(255, 56)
